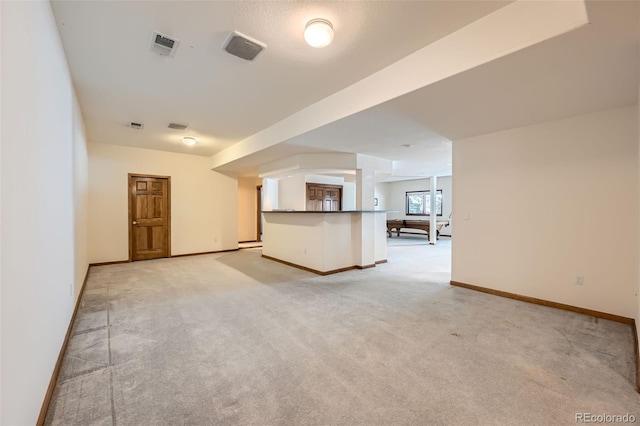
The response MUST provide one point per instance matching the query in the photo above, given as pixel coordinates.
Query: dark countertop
(341, 211)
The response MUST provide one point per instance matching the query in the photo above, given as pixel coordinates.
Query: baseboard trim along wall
(373, 265)
(204, 252)
(584, 311)
(421, 233)
(56, 370)
(315, 271)
(116, 262)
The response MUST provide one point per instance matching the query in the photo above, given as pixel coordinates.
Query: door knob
(135, 223)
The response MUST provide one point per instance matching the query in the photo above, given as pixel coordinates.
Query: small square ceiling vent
(135, 125)
(177, 126)
(242, 46)
(163, 44)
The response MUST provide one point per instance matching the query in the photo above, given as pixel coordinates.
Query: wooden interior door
(149, 217)
(315, 197)
(332, 199)
(324, 198)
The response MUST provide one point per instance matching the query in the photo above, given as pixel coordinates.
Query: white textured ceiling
(222, 98)
(589, 69)
(385, 132)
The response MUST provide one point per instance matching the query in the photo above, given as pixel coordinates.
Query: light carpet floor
(235, 339)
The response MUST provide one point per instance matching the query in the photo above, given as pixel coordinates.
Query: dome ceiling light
(318, 33)
(189, 141)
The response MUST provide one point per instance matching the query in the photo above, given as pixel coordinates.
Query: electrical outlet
(579, 280)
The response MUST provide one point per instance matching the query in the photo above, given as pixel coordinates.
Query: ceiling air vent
(177, 126)
(163, 44)
(137, 126)
(242, 46)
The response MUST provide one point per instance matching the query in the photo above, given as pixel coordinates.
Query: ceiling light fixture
(318, 33)
(189, 141)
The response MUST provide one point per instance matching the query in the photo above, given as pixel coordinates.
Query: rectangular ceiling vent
(163, 44)
(177, 126)
(137, 126)
(243, 46)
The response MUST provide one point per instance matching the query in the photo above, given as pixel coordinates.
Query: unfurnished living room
(319, 212)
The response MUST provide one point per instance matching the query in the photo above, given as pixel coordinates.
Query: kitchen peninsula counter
(326, 242)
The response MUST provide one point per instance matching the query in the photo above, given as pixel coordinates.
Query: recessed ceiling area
(223, 98)
(589, 69)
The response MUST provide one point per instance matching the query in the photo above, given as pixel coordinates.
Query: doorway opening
(259, 214)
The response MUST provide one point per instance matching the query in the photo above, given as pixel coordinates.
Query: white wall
(1, 116)
(81, 198)
(204, 204)
(270, 194)
(43, 175)
(396, 198)
(292, 193)
(637, 317)
(349, 196)
(381, 192)
(564, 203)
(326, 180)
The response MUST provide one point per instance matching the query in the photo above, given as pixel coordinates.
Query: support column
(365, 189)
(364, 234)
(433, 217)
